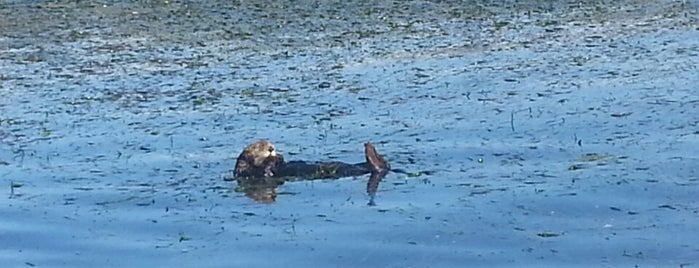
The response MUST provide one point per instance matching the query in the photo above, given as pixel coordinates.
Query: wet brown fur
(259, 159)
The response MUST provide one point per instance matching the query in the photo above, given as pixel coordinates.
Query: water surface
(559, 134)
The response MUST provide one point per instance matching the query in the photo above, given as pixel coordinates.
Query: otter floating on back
(261, 160)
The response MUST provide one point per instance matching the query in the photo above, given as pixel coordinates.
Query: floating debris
(548, 234)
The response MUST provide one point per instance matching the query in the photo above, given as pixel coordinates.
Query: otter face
(260, 151)
(259, 159)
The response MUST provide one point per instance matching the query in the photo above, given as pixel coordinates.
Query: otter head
(260, 151)
(259, 159)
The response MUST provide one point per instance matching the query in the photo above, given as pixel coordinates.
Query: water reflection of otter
(260, 169)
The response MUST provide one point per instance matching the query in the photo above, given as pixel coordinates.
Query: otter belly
(321, 170)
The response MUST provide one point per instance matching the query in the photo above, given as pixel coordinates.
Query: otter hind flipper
(376, 162)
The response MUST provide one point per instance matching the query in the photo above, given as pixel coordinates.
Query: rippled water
(559, 134)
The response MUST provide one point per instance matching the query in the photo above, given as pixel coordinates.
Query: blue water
(570, 147)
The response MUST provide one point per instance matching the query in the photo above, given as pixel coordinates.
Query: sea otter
(260, 169)
(261, 160)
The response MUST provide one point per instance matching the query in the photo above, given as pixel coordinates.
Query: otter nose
(272, 152)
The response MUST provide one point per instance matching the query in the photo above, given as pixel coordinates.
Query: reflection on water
(373, 184)
(264, 190)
